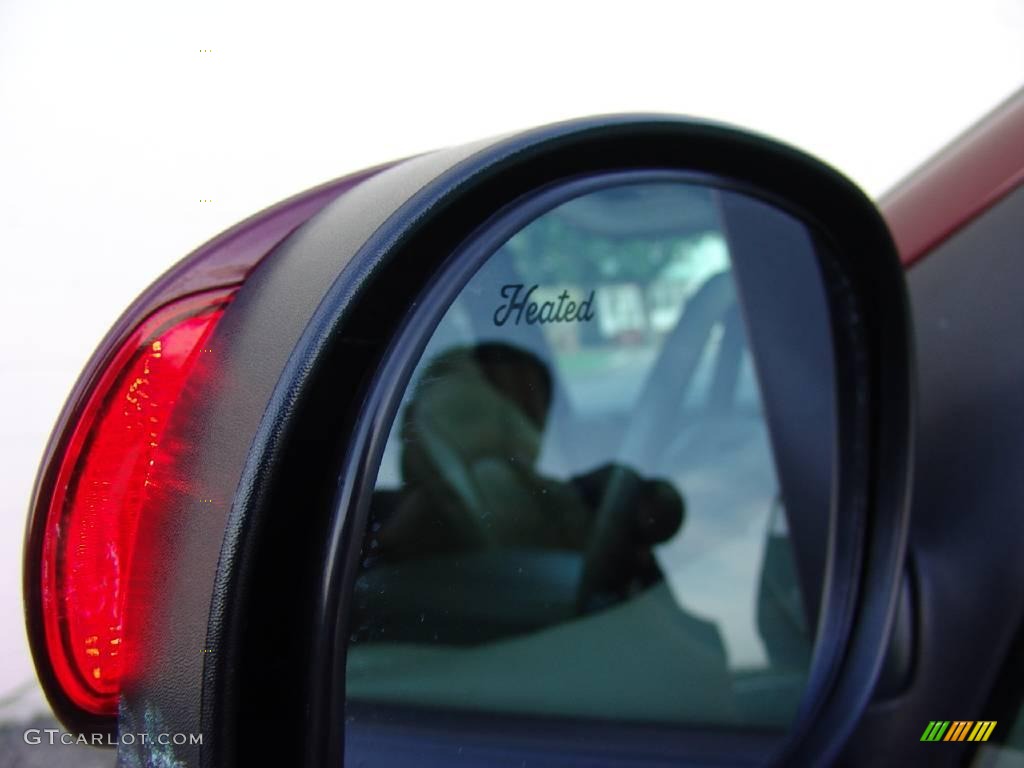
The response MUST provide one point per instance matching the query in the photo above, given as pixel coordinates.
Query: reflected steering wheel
(606, 559)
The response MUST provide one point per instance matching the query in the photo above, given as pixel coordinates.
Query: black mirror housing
(314, 354)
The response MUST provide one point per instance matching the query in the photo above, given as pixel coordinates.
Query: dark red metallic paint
(966, 178)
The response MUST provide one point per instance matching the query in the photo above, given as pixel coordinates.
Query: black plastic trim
(386, 273)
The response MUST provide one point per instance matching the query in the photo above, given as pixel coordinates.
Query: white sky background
(113, 126)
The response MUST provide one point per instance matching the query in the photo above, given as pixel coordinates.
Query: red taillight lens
(107, 478)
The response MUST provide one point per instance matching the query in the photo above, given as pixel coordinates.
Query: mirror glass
(605, 495)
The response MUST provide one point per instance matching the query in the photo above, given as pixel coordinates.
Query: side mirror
(592, 440)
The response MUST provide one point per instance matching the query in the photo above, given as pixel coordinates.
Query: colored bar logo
(958, 730)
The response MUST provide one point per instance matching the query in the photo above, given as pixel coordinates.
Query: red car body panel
(973, 173)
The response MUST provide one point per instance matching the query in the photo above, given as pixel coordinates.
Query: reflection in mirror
(581, 511)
